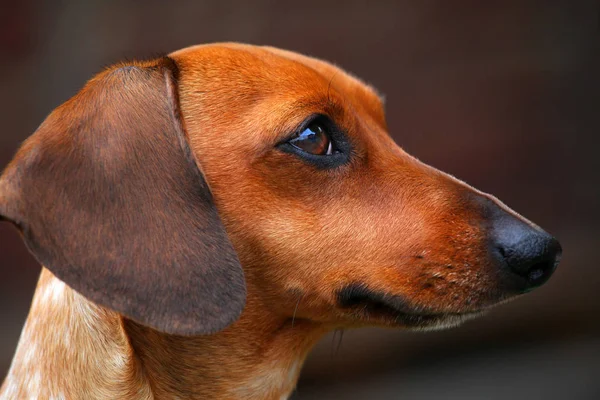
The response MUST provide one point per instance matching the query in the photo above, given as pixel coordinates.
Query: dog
(204, 218)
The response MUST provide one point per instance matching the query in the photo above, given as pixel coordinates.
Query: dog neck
(102, 355)
(259, 357)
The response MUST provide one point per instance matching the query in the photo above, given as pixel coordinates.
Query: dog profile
(204, 218)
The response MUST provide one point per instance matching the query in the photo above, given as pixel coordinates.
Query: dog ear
(108, 196)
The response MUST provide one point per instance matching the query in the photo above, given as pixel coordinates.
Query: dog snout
(527, 254)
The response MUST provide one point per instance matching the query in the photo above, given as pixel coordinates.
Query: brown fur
(161, 273)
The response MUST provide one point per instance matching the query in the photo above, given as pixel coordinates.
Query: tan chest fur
(71, 348)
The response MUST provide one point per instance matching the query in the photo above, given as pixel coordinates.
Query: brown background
(504, 95)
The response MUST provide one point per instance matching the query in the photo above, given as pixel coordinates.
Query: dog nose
(529, 254)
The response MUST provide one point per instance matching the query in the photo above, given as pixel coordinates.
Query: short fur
(117, 193)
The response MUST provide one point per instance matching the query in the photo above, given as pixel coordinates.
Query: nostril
(538, 270)
(502, 252)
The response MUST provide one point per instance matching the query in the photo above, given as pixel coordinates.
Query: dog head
(172, 190)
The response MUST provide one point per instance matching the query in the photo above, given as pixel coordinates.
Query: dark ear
(109, 198)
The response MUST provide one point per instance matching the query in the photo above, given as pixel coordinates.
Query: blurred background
(504, 95)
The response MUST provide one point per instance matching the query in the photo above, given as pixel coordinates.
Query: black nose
(528, 253)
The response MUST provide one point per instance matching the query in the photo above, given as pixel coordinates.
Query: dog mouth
(368, 305)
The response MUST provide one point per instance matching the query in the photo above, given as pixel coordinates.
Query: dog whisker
(329, 86)
(295, 311)
(335, 347)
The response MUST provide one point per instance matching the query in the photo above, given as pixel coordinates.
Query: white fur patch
(67, 337)
(34, 384)
(30, 353)
(57, 289)
(118, 361)
(276, 379)
(53, 292)
(11, 391)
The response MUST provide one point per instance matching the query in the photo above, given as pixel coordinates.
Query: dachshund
(204, 218)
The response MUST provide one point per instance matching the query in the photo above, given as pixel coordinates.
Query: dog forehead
(248, 63)
(337, 76)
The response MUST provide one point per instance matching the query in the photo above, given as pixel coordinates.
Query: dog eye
(314, 139)
(318, 141)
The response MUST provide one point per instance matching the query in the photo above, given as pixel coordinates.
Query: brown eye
(313, 140)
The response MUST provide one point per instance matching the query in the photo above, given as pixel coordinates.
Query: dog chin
(446, 322)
